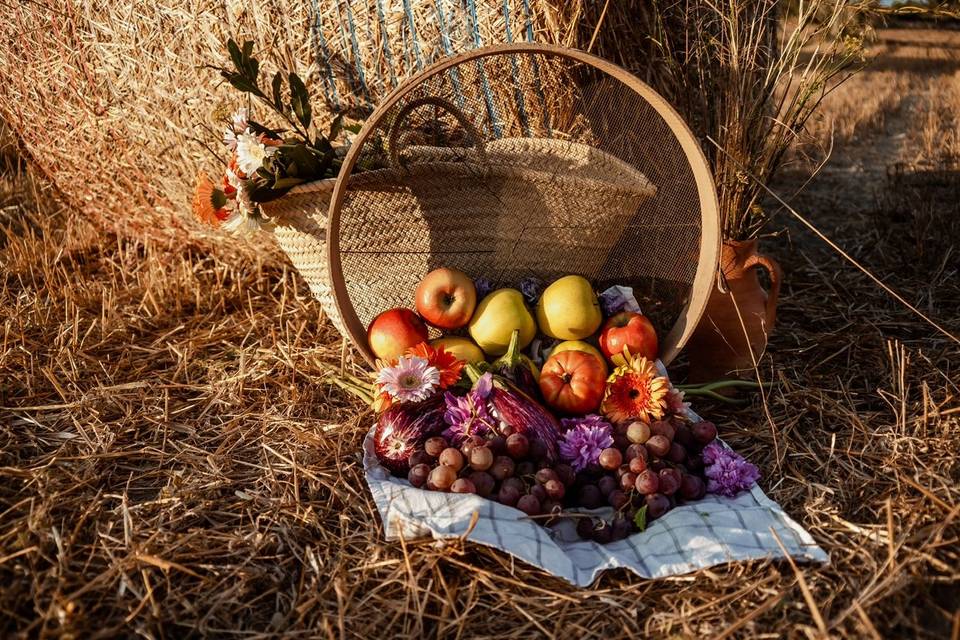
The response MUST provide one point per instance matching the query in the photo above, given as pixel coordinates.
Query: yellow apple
(461, 348)
(496, 318)
(568, 309)
(579, 345)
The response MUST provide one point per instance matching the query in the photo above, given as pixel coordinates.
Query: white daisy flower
(251, 153)
(238, 124)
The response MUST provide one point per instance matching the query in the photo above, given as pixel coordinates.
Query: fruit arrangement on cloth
(597, 433)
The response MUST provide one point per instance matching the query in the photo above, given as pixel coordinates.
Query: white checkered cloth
(708, 532)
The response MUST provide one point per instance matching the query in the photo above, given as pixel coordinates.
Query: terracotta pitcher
(721, 344)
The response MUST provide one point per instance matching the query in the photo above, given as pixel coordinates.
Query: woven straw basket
(575, 182)
(506, 163)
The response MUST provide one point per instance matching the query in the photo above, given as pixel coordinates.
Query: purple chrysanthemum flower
(728, 473)
(412, 379)
(583, 440)
(531, 288)
(469, 415)
(483, 287)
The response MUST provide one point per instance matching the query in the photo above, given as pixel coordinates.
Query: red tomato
(573, 382)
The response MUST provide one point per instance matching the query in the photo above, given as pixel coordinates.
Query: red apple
(446, 298)
(628, 330)
(394, 331)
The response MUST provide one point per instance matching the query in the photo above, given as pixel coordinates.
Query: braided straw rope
(441, 192)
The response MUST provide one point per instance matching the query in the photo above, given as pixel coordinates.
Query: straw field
(170, 465)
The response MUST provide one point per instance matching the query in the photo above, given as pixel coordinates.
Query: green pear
(569, 309)
(497, 316)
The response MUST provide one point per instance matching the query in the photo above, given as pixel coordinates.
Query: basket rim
(710, 237)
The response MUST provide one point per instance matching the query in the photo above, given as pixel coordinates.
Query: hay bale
(111, 100)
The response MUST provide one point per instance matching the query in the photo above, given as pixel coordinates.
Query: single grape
(483, 481)
(602, 533)
(585, 528)
(695, 463)
(463, 485)
(647, 482)
(518, 445)
(544, 475)
(538, 450)
(617, 499)
(691, 487)
(610, 459)
(497, 444)
(526, 468)
(663, 428)
(471, 443)
(441, 478)
(621, 528)
(606, 484)
(657, 505)
(481, 458)
(418, 474)
(638, 432)
(555, 489)
(421, 457)
(657, 466)
(529, 504)
(452, 458)
(638, 465)
(669, 481)
(704, 432)
(502, 468)
(516, 483)
(677, 453)
(434, 446)
(685, 436)
(636, 451)
(538, 492)
(658, 445)
(589, 496)
(507, 430)
(508, 495)
(628, 481)
(566, 474)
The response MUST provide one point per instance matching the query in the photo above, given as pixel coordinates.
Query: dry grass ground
(170, 465)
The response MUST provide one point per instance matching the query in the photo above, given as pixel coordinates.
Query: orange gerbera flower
(446, 363)
(209, 203)
(635, 392)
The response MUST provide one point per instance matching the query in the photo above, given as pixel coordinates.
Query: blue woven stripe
(517, 90)
(344, 43)
(413, 34)
(448, 49)
(355, 49)
(322, 54)
(529, 21)
(382, 21)
(487, 94)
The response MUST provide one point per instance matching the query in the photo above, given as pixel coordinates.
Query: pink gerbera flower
(410, 380)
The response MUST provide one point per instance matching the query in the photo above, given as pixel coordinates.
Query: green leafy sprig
(303, 154)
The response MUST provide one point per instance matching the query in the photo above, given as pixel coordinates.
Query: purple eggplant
(517, 368)
(403, 428)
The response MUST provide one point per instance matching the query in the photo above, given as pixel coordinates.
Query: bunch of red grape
(647, 471)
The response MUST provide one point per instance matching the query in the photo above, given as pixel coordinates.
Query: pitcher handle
(776, 275)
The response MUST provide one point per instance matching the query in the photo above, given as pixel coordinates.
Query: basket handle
(393, 140)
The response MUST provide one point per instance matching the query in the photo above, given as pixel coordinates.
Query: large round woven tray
(510, 162)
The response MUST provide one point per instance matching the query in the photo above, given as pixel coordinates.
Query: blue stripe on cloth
(385, 37)
(517, 89)
(413, 33)
(537, 83)
(487, 94)
(320, 46)
(448, 49)
(355, 49)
